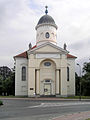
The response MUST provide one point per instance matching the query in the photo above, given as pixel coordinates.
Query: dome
(46, 19)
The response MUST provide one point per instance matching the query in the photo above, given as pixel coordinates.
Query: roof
(46, 19)
(71, 56)
(24, 54)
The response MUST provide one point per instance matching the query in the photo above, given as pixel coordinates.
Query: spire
(46, 11)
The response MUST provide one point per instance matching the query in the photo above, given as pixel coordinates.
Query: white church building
(45, 69)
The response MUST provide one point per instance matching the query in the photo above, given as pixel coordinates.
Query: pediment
(49, 48)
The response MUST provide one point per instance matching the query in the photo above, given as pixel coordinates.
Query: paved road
(40, 110)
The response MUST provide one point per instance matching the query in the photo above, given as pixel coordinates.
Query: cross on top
(46, 11)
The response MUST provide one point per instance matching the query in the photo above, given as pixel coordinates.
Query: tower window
(47, 35)
(23, 73)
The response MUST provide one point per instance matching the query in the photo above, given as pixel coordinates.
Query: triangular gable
(24, 54)
(48, 47)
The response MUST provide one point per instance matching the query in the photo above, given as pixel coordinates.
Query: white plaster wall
(48, 55)
(31, 75)
(21, 88)
(61, 63)
(71, 82)
(34, 63)
(41, 31)
(63, 75)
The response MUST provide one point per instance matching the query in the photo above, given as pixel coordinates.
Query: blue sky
(18, 19)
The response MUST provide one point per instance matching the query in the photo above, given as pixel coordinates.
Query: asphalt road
(40, 110)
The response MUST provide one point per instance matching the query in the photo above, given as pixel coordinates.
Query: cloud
(85, 43)
(18, 19)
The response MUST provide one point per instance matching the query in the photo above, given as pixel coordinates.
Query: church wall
(20, 86)
(71, 82)
(31, 75)
(64, 75)
(31, 82)
(60, 70)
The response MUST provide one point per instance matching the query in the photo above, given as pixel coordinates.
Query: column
(64, 81)
(38, 82)
(31, 82)
(57, 82)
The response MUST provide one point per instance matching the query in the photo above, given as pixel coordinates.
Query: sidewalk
(42, 99)
(74, 116)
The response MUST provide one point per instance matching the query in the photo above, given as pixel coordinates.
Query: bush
(1, 103)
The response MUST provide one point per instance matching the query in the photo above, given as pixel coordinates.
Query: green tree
(86, 79)
(86, 67)
(7, 85)
(1, 81)
(77, 84)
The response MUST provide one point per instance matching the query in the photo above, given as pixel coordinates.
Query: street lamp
(80, 79)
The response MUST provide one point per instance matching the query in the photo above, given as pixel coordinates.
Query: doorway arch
(47, 77)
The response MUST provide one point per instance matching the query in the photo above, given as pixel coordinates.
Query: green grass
(77, 97)
(11, 96)
(88, 119)
(1, 103)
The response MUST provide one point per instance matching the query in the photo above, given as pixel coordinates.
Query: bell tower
(46, 29)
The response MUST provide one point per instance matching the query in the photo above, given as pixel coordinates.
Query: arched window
(47, 64)
(47, 35)
(23, 73)
(67, 73)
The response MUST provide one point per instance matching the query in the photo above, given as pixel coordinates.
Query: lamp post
(80, 79)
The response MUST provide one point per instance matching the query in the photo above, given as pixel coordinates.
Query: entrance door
(47, 89)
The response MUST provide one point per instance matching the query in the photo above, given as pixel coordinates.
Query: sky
(18, 19)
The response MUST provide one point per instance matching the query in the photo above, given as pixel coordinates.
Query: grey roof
(46, 19)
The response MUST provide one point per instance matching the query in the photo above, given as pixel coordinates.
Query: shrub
(1, 103)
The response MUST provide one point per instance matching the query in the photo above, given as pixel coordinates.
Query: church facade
(45, 69)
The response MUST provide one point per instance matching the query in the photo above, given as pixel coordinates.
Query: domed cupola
(46, 19)
(46, 29)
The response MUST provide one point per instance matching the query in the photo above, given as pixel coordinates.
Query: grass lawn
(77, 97)
(1, 103)
(88, 119)
(11, 96)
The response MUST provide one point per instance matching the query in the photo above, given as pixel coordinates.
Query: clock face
(47, 35)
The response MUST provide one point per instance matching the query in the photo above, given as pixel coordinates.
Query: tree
(7, 84)
(86, 79)
(1, 81)
(77, 84)
(86, 67)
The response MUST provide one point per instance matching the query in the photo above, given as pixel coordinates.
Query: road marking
(36, 106)
(58, 104)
